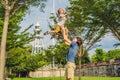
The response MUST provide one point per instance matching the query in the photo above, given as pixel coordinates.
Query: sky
(35, 16)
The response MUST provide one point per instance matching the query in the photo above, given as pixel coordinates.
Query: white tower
(38, 42)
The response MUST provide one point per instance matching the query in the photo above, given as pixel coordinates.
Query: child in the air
(58, 28)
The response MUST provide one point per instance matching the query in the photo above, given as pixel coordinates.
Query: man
(71, 54)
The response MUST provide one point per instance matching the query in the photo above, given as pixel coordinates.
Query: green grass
(76, 78)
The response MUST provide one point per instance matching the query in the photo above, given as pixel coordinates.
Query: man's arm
(65, 35)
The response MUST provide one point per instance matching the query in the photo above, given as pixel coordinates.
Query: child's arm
(63, 15)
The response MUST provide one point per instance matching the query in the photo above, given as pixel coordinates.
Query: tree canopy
(102, 55)
(93, 19)
(113, 54)
(11, 13)
(99, 56)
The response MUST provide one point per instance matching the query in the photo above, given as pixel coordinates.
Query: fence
(106, 68)
(48, 73)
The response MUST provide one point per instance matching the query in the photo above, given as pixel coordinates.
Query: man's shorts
(70, 68)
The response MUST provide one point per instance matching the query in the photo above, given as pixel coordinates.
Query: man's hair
(80, 49)
(79, 41)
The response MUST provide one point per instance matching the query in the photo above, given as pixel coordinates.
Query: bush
(11, 76)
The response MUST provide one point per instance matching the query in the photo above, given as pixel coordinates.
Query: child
(61, 22)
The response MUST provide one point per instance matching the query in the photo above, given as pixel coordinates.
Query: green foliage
(58, 51)
(14, 57)
(99, 56)
(85, 58)
(97, 16)
(11, 76)
(18, 54)
(83, 23)
(113, 54)
(19, 9)
(21, 60)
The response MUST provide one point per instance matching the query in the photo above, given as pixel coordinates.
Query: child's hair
(59, 10)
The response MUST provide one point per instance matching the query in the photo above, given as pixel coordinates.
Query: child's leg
(56, 30)
(63, 28)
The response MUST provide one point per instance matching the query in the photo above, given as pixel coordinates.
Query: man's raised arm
(65, 35)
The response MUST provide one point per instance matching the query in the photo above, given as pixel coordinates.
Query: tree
(99, 56)
(84, 60)
(14, 58)
(102, 13)
(93, 19)
(16, 40)
(21, 61)
(10, 8)
(83, 24)
(113, 54)
(58, 51)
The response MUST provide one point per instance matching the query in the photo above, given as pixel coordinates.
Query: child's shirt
(62, 20)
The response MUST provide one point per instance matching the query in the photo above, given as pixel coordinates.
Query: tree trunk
(10, 71)
(19, 74)
(80, 54)
(79, 69)
(60, 73)
(60, 69)
(27, 74)
(3, 44)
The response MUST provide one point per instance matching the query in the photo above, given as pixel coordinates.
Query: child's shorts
(57, 28)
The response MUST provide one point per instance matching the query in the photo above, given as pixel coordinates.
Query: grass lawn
(76, 78)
